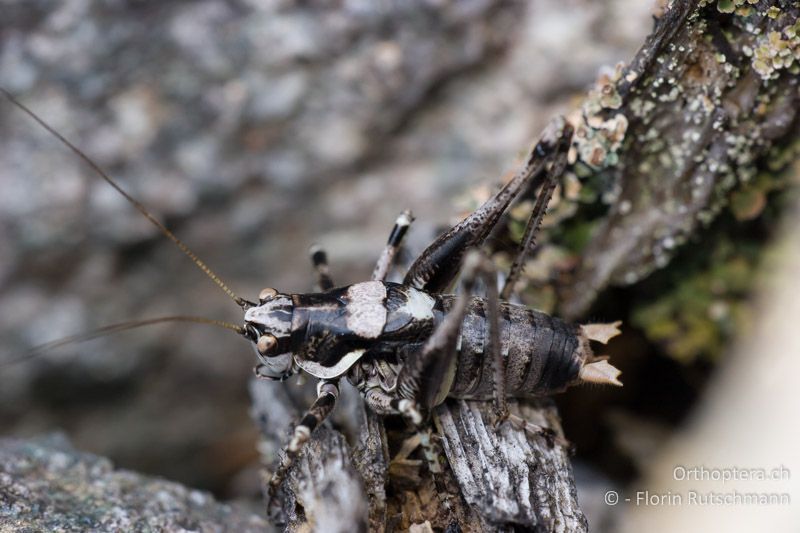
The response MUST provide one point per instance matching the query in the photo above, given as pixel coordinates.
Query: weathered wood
(372, 461)
(323, 492)
(511, 477)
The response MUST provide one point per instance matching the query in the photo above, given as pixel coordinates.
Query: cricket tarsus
(135, 203)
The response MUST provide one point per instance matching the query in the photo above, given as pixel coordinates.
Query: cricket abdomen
(543, 354)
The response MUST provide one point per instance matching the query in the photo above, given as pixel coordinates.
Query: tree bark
(708, 95)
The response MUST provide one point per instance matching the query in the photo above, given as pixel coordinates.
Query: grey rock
(46, 485)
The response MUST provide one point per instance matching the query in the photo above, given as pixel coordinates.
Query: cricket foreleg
(320, 261)
(384, 403)
(386, 260)
(327, 394)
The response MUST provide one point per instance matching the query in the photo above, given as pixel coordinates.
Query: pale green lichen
(599, 140)
(726, 6)
(741, 7)
(598, 136)
(777, 50)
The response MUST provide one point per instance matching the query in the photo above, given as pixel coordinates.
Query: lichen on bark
(701, 110)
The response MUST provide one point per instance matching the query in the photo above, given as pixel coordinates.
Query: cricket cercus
(408, 346)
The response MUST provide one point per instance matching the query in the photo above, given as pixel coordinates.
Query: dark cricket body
(543, 354)
(409, 346)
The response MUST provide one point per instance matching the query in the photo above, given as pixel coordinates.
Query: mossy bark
(712, 95)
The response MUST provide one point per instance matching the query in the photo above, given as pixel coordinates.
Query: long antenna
(138, 205)
(115, 328)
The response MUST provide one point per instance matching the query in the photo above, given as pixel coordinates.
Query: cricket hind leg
(425, 378)
(437, 267)
(387, 257)
(442, 346)
(527, 244)
(327, 394)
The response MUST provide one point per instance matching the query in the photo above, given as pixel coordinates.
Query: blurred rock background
(254, 128)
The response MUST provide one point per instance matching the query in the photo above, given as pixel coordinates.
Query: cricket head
(268, 326)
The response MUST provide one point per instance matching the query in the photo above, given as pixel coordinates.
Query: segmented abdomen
(543, 354)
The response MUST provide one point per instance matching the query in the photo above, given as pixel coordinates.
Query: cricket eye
(266, 343)
(267, 294)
